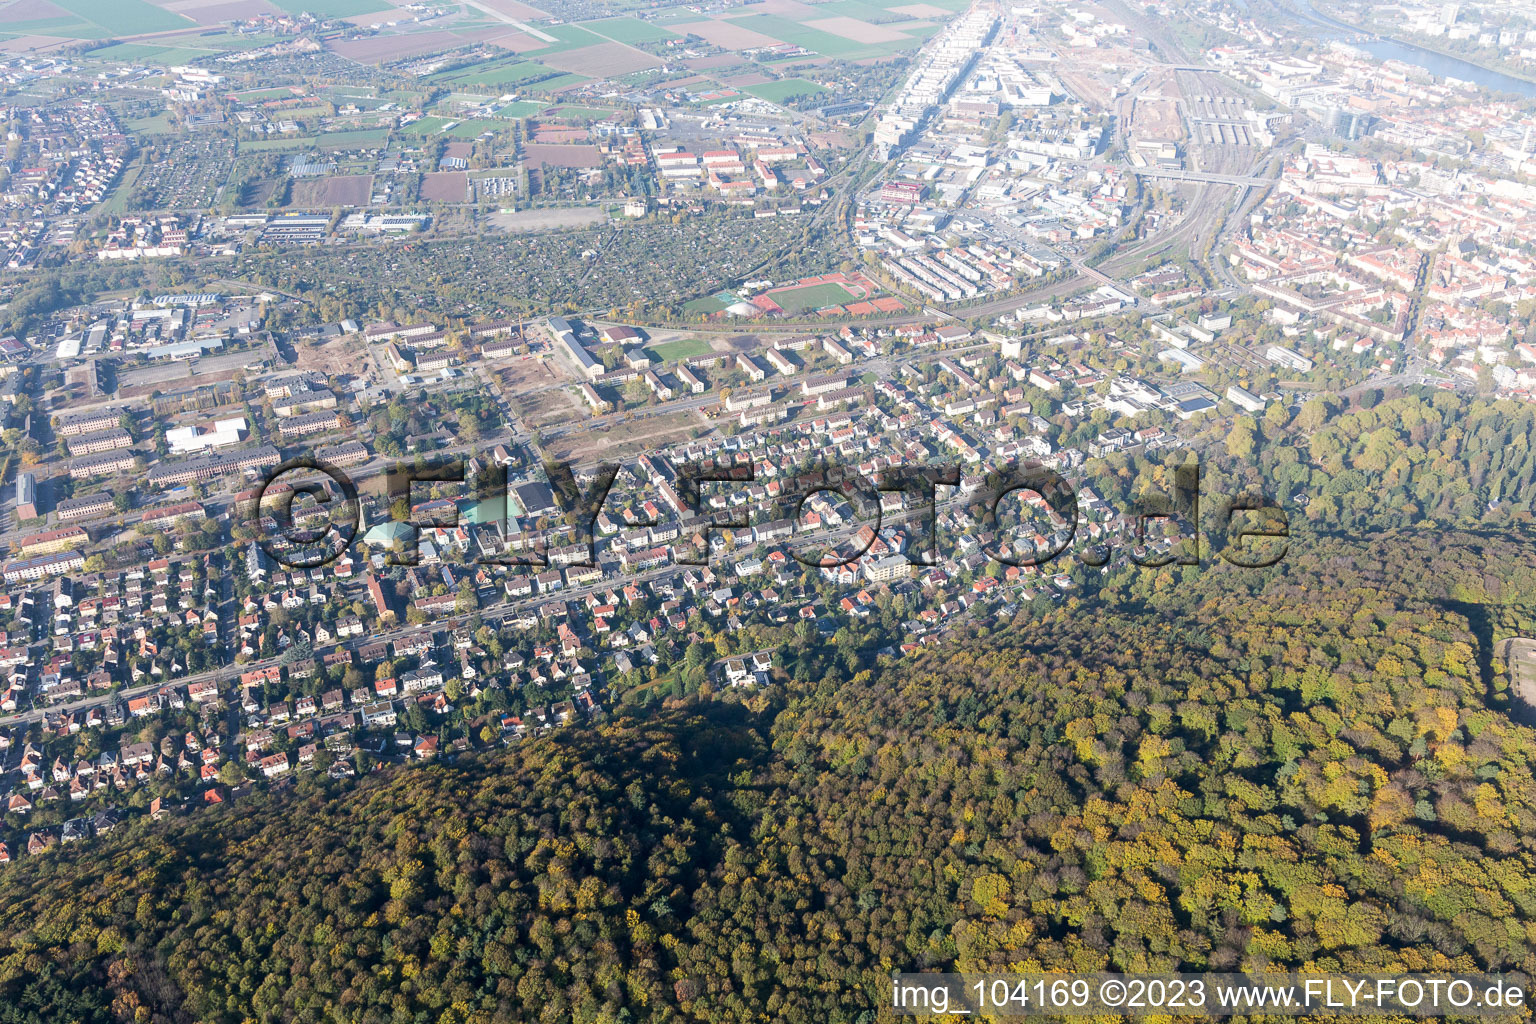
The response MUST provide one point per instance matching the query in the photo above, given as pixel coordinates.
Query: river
(1439, 64)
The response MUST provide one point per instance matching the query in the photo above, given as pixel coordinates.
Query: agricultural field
(120, 18)
(630, 30)
(603, 60)
(331, 8)
(833, 37)
(383, 49)
(147, 53)
(445, 186)
(570, 37)
(540, 154)
(502, 75)
(337, 190)
(556, 84)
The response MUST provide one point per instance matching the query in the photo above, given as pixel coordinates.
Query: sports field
(778, 92)
(811, 297)
(682, 348)
(710, 303)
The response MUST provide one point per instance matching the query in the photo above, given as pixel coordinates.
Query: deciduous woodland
(1314, 766)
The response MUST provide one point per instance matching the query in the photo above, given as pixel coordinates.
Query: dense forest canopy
(1312, 766)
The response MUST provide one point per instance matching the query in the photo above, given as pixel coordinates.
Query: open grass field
(812, 297)
(274, 145)
(362, 138)
(156, 125)
(629, 30)
(640, 433)
(117, 202)
(682, 348)
(777, 92)
(258, 95)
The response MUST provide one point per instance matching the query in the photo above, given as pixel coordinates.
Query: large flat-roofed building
(1283, 356)
(26, 496)
(565, 338)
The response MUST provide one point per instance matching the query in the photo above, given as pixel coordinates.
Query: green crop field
(558, 82)
(683, 348)
(873, 12)
(571, 37)
(333, 8)
(361, 138)
(778, 92)
(811, 297)
(125, 17)
(630, 30)
(495, 76)
(145, 53)
(824, 43)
